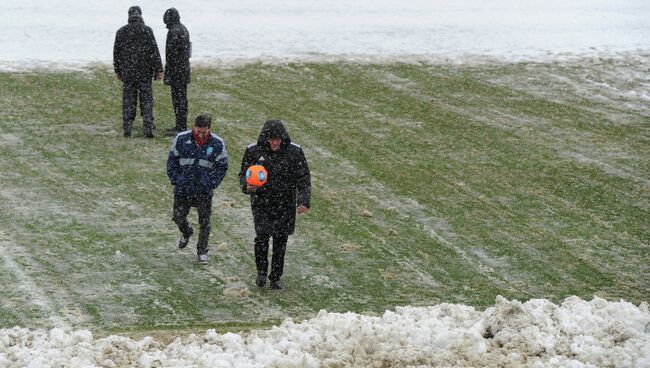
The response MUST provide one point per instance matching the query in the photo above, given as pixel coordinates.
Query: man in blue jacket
(196, 165)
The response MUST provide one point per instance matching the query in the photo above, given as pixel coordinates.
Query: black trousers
(130, 93)
(262, 254)
(203, 206)
(179, 100)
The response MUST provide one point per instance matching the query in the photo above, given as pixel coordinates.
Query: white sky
(537, 333)
(37, 32)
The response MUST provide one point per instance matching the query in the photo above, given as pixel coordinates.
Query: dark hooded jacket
(288, 184)
(135, 53)
(177, 49)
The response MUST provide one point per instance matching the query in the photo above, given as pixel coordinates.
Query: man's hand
(303, 209)
(118, 76)
(158, 76)
(251, 188)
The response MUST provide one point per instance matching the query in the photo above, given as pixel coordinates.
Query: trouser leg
(129, 105)
(204, 209)
(180, 211)
(179, 99)
(262, 253)
(277, 261)
(146, 107)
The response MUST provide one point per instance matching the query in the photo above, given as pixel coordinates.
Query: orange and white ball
(256, 175)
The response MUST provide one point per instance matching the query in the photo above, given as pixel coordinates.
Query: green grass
(431, 183)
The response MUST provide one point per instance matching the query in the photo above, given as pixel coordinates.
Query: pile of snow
(537, 333)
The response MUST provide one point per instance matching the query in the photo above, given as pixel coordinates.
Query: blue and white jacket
(196, 171)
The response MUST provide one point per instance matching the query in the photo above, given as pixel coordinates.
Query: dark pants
(130, 93)
(262, 253)
(203, 206)
(179, 99)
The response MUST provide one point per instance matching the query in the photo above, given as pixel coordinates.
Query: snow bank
(537, 333)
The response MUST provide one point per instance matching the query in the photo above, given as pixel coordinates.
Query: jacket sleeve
(154, 56)
(179, 45)
(117, 50)
(303, 180)
(174, 55)
(173, 166)
(246, 162)
(220, 167)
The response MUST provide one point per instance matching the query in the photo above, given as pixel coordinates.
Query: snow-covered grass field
(433, 184)
(481, 176)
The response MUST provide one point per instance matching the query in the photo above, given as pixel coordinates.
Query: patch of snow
(536, 333)
(26, 284)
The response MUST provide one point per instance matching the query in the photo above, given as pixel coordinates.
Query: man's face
(202, 132)
(274, 143)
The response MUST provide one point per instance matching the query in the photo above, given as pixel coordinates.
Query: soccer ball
(256, 175)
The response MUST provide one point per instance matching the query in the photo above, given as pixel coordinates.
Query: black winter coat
(177, 50)
(288, 185)
(135, 54)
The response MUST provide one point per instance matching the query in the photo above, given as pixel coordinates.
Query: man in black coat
(274, 204)
(178, 50)
(136, 61)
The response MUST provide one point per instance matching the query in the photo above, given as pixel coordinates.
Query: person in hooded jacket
(196, 165)
(136, 60)
(275, 203)
(178, 50)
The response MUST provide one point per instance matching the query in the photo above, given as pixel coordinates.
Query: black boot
(276, 285)
(172, 132)
(261, 280)
(126, 128)
(182, 242)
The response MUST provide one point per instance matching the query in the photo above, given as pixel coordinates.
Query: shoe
(203, 259)
(182, 242)
(261, 280)
(172, 132)
(126, 128)
(276, 285)
(148, 136)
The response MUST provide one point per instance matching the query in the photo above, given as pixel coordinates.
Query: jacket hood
(135, 10)
(171, 17)
(273, 129)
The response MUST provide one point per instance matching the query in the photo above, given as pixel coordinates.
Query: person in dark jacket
(196, 165)
(136, 61)
(274, 204)
(177, 67)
